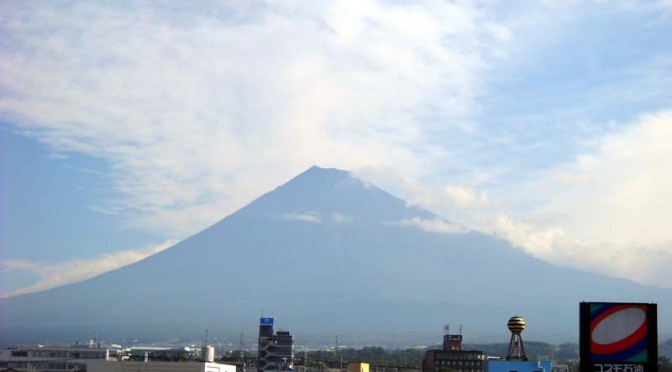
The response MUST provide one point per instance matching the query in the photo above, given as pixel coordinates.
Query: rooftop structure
(453, 357)
(516, 348)
(516, 359)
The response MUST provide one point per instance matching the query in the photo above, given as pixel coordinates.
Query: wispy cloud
(195, 122)
(304, 217)
(103, 210)
(436, 225)
(56, 274)
(342, 218)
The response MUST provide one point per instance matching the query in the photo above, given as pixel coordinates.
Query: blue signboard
(266, 321)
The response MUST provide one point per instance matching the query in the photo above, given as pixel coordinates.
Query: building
(519, 366)
(452, 358)
(276, 351)
(52, 358)
(82, 358)
(358, 367)
(157, 366)
(167, 354)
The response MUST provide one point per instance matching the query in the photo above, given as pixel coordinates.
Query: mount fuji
(327, 253)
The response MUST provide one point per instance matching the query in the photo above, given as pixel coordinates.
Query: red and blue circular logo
(618, 332)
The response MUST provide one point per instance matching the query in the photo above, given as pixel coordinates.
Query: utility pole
(336, 351)
(242, 351)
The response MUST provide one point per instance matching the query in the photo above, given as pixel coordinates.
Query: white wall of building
(156, 366)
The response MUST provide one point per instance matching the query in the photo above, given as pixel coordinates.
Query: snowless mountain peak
(320, 192)
(325, 245)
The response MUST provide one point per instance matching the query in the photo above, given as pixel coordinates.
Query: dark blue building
(276, 351)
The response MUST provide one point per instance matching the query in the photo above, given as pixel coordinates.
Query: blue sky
(127, 126)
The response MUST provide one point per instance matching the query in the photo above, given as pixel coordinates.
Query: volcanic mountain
(327, 254)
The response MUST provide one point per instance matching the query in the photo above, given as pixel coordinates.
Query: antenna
(460, 329)
(446, 329)
(206, 337)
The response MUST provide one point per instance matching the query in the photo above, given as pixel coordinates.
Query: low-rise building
(157, 366)
(452, 358)
(51, 358)
(358, 367)
(519, 366)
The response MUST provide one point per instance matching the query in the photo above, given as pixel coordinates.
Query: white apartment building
(157, 366)
(50, 358)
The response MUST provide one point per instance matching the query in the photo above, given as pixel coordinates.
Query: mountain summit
(328, 254)
(324, 194)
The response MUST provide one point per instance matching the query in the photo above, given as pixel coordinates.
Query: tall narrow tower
(265, 348)
(276, 351)
(516, 349)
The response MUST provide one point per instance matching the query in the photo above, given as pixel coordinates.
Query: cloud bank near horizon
(52, 275)
(466, 109)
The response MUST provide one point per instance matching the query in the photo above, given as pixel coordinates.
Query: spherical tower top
(516, 348)
(516, 324)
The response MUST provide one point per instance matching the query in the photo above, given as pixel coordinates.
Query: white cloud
(56, 274)
(341, 218)
(199, 113)
(468, 205)
(605, 211)
(609, 209)
(540, 243)
(436, 225)
(103, 210)
(465, 196)
(312, 218)
(449, 197)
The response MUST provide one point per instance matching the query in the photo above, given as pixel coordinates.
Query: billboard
(266, 321)
(618, 337)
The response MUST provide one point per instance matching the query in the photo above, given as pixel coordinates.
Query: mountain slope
(328, 254)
